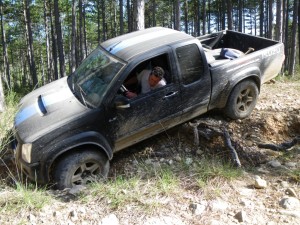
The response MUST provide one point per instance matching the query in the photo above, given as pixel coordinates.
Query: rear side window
(190, 63)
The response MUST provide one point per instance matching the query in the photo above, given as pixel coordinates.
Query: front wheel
(81, 168)
(242, 100)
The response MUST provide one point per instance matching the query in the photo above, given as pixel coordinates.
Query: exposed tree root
(211, 128)
(281, 147)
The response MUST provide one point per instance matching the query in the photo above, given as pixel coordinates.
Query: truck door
(148, 113)
(195, 79)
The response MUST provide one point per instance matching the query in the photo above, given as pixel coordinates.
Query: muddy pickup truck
(67, 131)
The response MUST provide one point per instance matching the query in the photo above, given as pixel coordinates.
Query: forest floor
(265, 191)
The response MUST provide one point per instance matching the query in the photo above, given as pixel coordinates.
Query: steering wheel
(123, 89)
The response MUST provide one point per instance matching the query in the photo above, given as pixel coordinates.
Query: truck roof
(128, 45)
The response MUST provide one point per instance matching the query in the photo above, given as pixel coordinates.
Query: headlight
(26, 152)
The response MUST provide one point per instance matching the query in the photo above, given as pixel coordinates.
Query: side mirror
(121, 102)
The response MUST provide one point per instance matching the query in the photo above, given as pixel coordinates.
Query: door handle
(170, 94)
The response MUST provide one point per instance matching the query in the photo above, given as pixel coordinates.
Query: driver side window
(147, 76)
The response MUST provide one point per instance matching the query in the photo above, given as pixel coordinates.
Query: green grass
(6, 120)
(23, 198)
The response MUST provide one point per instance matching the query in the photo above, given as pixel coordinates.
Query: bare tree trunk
(177, 14)
(286, 35)
(278, 26)
(104, 30)
(204, 17)
(54, 46)
(2, 99)
(139, 14)
(261, 19)
(48, 49)
(153, 13)
(4, 49)
(121, 17)
(60, 45)
(186, 16)
(292, 57)
(229, 14)
(223, 15)
(31, 60)
(84, 32)
(129, 15)
(270, 33)
(240, 16)
(74, 62)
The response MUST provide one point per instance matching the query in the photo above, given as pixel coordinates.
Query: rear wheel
(242, 100)
(81, 168)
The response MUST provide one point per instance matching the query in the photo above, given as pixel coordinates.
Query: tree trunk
(59, 40)
(278, 26)
(104, 30)
(240, 16)
(4, 49)
(139, 14)
(54, 46)
(121, 17)
(261, 19)
(229, 14)
(186, 16)
(129, 15)
(270, 33)
(204, 17)
(74, 62)
(48, 49)
(286, 35)
(177, 15)
(30, 50)
(223, 15)
(292, 57)
(153, 13)
(2, 99)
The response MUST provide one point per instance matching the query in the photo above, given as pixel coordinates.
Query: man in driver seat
(149, 80)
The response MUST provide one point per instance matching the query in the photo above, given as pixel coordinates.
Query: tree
(279, 22)
(74, 50)
(177, 14)
(30, 50)
(139, 11)
(4, 49)
(292, 58)
(60, 45)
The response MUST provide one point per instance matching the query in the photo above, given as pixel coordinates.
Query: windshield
(92, 78)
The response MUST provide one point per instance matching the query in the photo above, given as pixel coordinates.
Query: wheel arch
(79, 142)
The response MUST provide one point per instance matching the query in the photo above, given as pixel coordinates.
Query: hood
(46, 109)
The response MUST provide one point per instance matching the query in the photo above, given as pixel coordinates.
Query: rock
(284, 184)
(290, 164)
(219, 205)
(148, 161)
(260, 183)
(77, 189)
(240, 216)
(274, 163)
(188, 161)
(291, 192)
(289, 203)
(249, 143)
(31, 218)
(178, 158)
(197, 209)
(110, 220)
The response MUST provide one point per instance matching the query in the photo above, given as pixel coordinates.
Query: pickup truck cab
(67, 131)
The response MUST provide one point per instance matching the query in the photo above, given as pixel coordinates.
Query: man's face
(153, 80)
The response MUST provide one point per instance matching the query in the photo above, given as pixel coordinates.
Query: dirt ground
(275, 120)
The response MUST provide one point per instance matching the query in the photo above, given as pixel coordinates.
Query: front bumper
(33, 171)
